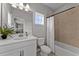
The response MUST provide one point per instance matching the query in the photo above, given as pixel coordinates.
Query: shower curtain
(50, 32)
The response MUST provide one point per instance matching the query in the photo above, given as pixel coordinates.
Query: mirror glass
(18, 25)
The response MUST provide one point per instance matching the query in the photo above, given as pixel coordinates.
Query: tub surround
(67, 27)
(62, 49)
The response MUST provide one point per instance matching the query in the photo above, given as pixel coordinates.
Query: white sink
(20, 38)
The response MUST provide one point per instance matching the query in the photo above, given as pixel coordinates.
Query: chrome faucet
(26, 33)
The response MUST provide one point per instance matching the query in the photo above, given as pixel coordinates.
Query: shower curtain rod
(60, 12)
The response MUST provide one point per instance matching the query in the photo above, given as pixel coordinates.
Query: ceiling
(56, 6)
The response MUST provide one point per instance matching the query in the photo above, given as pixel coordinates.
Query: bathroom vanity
(18, 47)
(21, 22)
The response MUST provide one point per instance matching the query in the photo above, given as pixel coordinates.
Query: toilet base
(43, 54)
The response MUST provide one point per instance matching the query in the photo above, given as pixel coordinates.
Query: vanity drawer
(16, 45)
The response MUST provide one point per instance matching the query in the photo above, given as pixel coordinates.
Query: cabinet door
(30, 51)
(11, 53)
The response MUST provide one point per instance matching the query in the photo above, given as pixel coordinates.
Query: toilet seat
(45, 49)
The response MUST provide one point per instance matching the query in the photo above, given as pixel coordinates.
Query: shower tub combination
(62, 49)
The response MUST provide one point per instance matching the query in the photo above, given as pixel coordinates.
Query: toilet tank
(41, 41)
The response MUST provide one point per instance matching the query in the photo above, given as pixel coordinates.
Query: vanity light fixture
(27, 7)
(14, 5)
(21, 6)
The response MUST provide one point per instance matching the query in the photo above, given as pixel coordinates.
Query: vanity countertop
(15, 40)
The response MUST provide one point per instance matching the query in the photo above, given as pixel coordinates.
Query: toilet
(44, 50)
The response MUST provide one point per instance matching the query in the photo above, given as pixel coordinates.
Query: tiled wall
(67, 27)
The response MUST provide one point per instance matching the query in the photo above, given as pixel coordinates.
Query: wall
(27, 18)
(4, 14)
(5, 9)
(39, 7)
(0, 14)
(39, 30)
(67, 27)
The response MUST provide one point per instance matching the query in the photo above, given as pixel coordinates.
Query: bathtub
(62, 49)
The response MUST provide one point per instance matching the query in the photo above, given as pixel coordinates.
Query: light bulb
(21, 6)
(27, 7)
(17, 4)
(26, 10)
(14, 5)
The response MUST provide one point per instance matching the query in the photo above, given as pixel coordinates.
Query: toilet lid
(45, 49)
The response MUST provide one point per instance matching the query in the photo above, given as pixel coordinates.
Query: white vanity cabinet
(29, 51)
(22, 48)
(11, 53)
